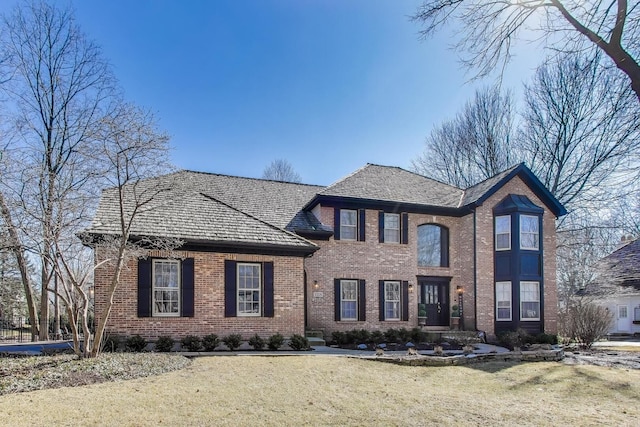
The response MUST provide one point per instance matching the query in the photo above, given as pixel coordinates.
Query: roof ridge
(256, 218)
(248, 178)
(507, 171)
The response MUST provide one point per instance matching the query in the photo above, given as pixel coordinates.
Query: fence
(14, 330)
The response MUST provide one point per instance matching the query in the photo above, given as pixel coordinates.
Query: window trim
(536, 233)
(522, 301)
(240, 313)
(355, 283)
(398, 301)
(354, 226)
(508, 232)
(154, 288)
(507, 286)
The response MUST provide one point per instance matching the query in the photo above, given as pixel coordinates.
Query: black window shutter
(230, 292)
(268, 289)
(336, 223)
(144, 287)
(361, 225)
(404, 301)
(188, 283)
(381, 297)
(336, 287)
(444, 247)
(405, 229)
(381, 228)
(362, 301)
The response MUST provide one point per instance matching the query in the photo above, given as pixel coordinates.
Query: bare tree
(475, 145)
(579, 131)
(490, 29)
(59, 85)
(281, 170)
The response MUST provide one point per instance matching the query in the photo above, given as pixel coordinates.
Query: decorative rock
(410, 344)
(362, 346)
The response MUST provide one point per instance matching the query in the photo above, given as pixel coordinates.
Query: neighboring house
(619, 289)
(381, 248)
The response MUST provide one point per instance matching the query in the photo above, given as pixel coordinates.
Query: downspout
(475, 274)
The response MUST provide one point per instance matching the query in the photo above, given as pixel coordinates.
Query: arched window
(433, 246)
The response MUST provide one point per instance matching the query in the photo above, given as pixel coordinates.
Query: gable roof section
(622, 268)
(477, 194)
(199, 209)
(389, 184)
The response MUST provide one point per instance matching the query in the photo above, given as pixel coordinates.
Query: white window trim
(342, 283)
(240, 313)
(355, 227)
(154, 288)
(508, 286)
(386, 227)
(399, 300)
(537, 233)
(508, 248)
(530, 319)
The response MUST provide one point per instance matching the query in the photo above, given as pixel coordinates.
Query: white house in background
(621, 285)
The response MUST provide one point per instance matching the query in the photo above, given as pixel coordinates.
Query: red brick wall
(209, 300)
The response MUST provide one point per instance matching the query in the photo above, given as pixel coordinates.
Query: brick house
(381, 248)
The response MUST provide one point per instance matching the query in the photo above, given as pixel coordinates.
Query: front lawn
(323, 390)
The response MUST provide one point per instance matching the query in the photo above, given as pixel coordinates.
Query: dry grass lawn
(318, 390)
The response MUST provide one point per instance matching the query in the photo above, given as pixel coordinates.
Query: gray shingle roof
(476, 192)
(622, 268)
(394, 184)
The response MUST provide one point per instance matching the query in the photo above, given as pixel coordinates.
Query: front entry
(434, 294)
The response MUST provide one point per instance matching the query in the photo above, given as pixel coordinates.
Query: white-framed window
(623, 312)
(249, 289)
(392, 300)
(166, 287)
(348, 300)
(529, 232)
(391, 228)
(529, 301)
(503, 301)
(348, 224)
(503, 233)
(636, 314)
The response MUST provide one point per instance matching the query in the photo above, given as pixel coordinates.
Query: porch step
(314, 333)
(313, 341)
(315, 337)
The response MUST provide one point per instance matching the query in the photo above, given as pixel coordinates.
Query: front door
(434, 294)
(623, 319)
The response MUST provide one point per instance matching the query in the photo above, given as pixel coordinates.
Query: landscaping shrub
(339, 338)
(418, 335)
(191, 343)
(404, 335)
(111, 343)
(547, 339)
(275, 342)
(210, 342)
(256, 342)
(164, 344)
(376, 337)
(588, 322)
(392, 335)
(135, 344)
(232, 341)
(298, 342)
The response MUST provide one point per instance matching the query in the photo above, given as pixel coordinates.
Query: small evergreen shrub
(418, 335)
(376, 337)
(404, 335)
(191, 343)
(164, 344)
(275, 342)
(256, 342)
(298, 342)
(210, 342)
(111, 343)
(135, 344)
(362, 336)
(339, 338)
(392, 335)
(232, 341)
(547, 339)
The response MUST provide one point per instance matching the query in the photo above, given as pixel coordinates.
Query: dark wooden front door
(435, 295)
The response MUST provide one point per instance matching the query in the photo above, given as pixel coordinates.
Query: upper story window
(529, 232)
(348, 224)
(166, 287)
(391, 228)
(503, 233)
(433, 246)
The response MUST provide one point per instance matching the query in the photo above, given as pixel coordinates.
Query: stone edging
(425, 360)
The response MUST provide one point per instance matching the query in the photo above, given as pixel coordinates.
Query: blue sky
(327, 85)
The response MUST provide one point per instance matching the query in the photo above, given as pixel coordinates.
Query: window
(348, 224)
(348, 300)
(636, 314)
(503, 301)
(166, 287)
(433, 246)
(503, 233)
(529, 232)
(529, 301)
(623, 312)
(392, 300)
(391, 228)
(249, 292)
